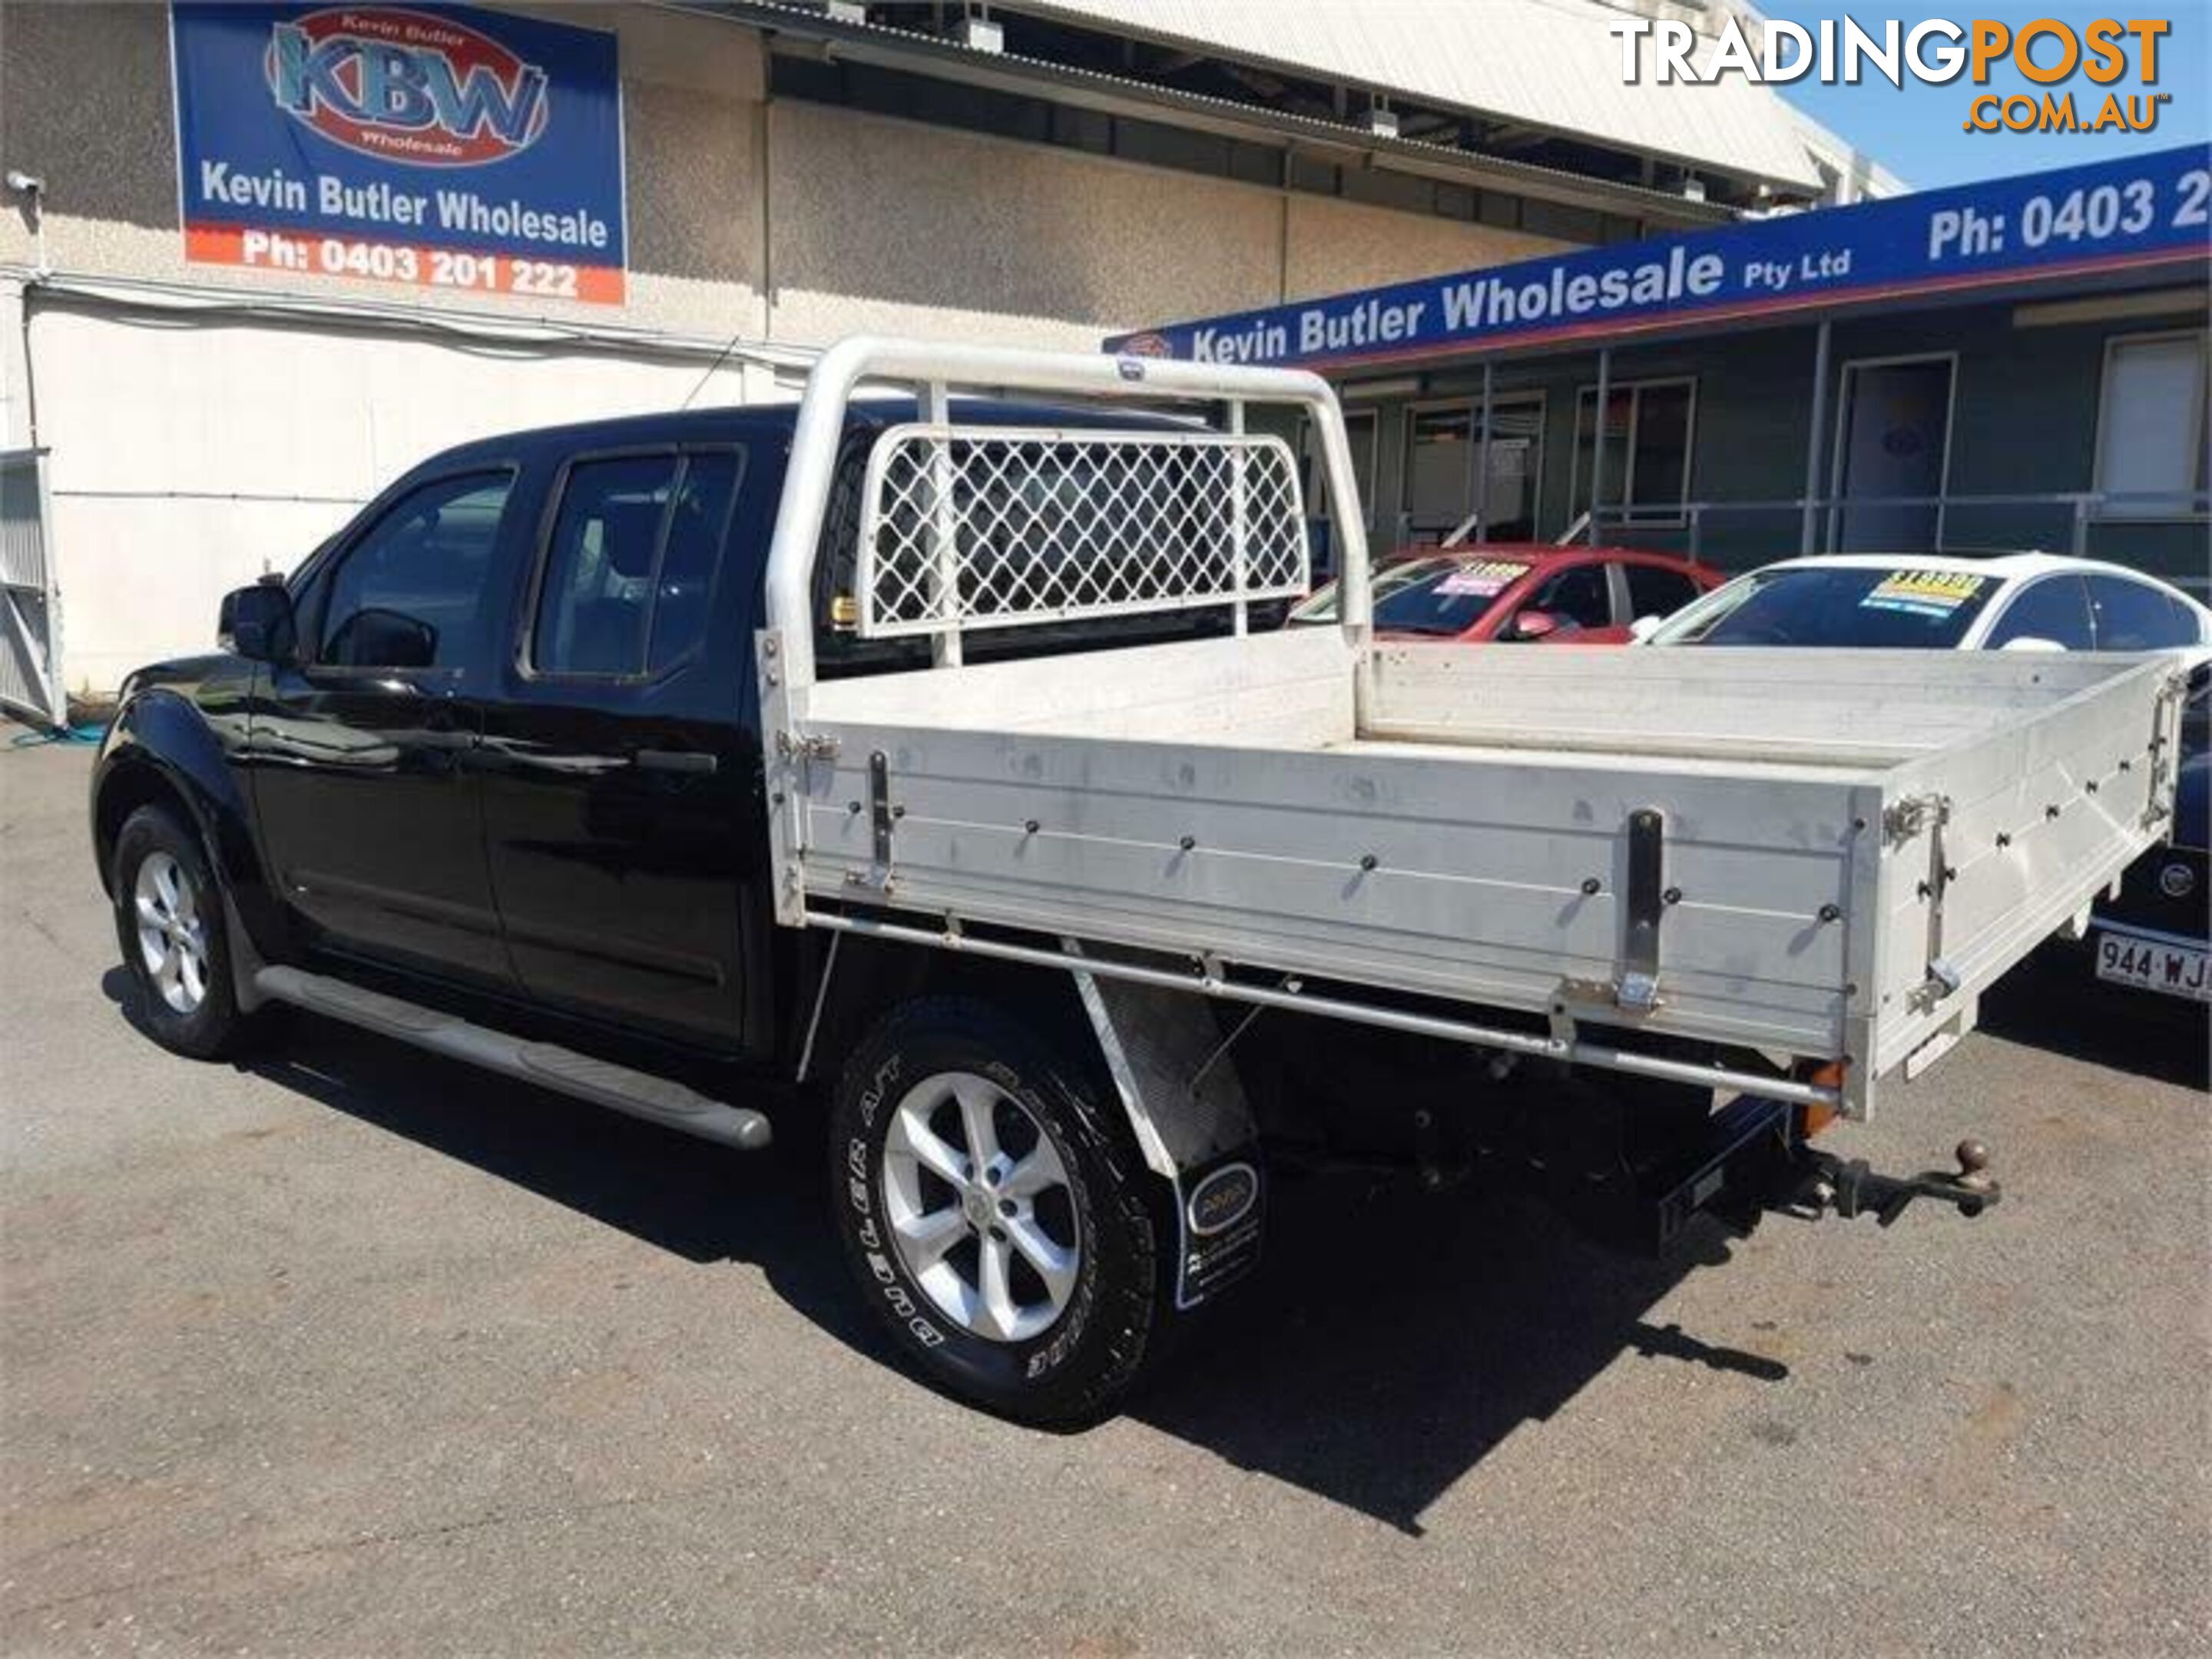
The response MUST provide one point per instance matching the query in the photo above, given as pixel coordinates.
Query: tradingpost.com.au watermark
(1938, 51)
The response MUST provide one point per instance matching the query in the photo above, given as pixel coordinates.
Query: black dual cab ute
(918, 774)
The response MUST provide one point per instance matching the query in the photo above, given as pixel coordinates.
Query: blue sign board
(432, 144)
(2145, 210)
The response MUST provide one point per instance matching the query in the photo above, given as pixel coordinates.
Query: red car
(1521, 591)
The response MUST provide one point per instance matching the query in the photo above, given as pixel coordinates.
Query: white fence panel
(30, 603)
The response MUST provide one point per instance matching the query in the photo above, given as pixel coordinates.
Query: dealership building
(257, 258)
(2009, 364)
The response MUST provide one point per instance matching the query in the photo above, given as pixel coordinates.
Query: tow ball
(1754, 1162)
(1851, 1188)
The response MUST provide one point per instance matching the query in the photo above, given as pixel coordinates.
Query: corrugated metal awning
(1545, 64)
(871, 42)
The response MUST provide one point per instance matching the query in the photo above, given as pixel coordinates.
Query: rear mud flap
(1169, 1058)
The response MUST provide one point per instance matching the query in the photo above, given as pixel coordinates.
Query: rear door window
(2136, 616)
(628, 568)
(691, 557)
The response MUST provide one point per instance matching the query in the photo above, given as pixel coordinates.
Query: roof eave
(887, 48)
(1806, 185)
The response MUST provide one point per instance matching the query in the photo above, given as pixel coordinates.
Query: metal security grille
(968, 528)
(30, 618)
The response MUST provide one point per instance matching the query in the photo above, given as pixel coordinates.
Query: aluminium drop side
(1800, 857)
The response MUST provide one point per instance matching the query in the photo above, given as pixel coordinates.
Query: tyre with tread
(996, 1214)
(169, 921)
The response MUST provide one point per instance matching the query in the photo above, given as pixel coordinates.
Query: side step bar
(657, 1100)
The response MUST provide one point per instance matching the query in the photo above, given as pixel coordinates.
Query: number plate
(2167, 968)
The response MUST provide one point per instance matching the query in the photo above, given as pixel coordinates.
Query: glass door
(1893, 455)
(1508, 496)
(1444, 452)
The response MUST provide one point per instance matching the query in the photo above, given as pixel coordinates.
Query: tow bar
(1755, 1161)
(1851, 1188)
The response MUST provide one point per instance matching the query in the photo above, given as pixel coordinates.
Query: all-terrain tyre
(996, 1214)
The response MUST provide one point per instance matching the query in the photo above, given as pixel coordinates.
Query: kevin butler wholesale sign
(2131, 214)
(436, 145)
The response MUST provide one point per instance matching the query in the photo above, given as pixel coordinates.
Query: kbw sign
(434, 144)
(417, 89)
(2146, 210)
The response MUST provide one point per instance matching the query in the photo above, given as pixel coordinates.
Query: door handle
(684, 762)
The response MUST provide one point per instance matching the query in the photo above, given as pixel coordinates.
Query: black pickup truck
(487, 775)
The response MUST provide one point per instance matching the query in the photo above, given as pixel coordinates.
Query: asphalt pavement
(352, 1351)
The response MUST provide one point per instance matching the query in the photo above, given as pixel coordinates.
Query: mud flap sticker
(1220, 1207)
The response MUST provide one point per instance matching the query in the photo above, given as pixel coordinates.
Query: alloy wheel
(171, 938)
(979, 1208)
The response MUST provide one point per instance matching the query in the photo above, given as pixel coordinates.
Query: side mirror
(1644, 627)
(376, 637)
(256, 622)
(1534, 625)
(2030, 642)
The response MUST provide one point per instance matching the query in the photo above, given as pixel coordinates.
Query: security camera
(29, 184)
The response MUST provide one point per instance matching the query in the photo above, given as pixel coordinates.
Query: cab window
(410, 593)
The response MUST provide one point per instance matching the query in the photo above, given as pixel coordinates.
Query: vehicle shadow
(1388, 1343)
(1394, 1339)
(703, 1203)
(2052, 1002)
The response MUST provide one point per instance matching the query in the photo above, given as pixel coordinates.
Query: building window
(2150, 430)
(1507, 500)
(1649, 426)
(1386, 187)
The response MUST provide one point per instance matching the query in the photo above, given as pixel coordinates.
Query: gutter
(150, 295)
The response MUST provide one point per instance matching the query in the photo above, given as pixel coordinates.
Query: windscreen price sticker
(1935, 593)
(1482, 582)
(404, 261)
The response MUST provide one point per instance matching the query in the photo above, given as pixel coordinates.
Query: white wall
(189, 454)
